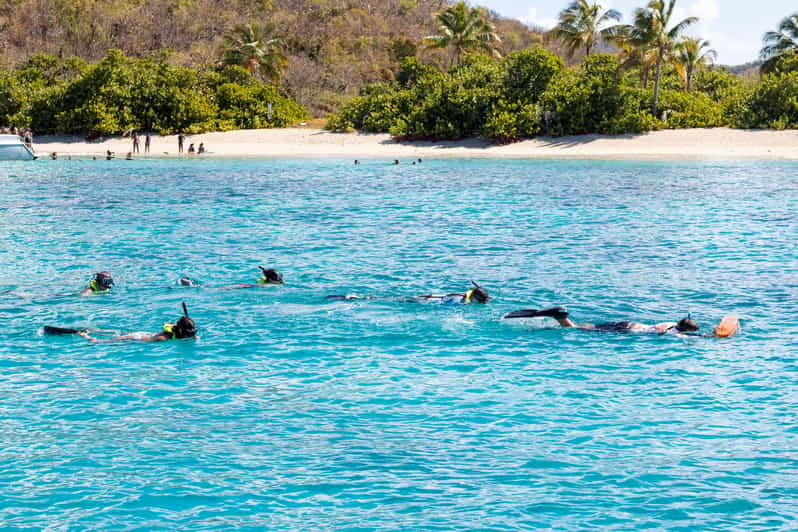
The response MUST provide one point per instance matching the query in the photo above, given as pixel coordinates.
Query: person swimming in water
(188, 281)
(684, 327)
(182, 328)
(269, 277)
(472, 295)
(101, 283)
(477, 294)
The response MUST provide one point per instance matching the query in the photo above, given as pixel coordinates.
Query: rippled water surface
(293, 412)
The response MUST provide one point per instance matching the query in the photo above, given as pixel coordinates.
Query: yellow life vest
(95, 288)
(467, 296)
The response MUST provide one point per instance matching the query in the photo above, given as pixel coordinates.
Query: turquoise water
(291, 412)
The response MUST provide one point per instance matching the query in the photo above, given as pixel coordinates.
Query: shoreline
(305, 142)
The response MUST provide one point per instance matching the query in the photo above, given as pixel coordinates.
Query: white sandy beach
(717, 143)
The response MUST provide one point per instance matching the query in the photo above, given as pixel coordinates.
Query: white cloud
(533, 19)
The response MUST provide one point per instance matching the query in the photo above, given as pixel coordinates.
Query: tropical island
(419, 71)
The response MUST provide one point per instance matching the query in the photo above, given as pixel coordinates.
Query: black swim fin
(558, 313)
(48, 329)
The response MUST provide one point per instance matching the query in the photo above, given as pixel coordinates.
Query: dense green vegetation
(532, 91)
(332, 48)
(120, 93)
(432, 69)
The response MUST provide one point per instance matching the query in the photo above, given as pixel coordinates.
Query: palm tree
(582, 24)
(464, 30)
(652, 27)
(778, 43)
(633, 54)
(691, 55)
(256, 49)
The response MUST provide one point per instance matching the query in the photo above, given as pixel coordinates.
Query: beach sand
(719, 143)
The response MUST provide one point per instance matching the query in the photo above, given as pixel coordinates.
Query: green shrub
(773, 103)
(587, 100)
(248, 107)
(120, 93)
(511, 122)
(685, 110)
(527, 74)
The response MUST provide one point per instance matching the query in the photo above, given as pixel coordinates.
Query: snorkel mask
(270, 276)
(101, 283)
(184, 328)
(476, 295)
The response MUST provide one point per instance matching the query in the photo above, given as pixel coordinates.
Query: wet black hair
(103, 280)
(479, 295)
(687, 325)
(185, 326)
(271, 275)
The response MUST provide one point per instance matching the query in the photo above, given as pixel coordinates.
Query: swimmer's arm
(85, 292)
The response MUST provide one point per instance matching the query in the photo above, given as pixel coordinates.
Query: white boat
(13, 149)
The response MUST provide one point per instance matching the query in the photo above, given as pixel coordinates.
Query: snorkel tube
(270, 276)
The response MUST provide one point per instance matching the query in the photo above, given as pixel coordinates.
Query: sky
(734, 28)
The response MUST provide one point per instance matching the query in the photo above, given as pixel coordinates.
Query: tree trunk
(689, 79)
(657, 75)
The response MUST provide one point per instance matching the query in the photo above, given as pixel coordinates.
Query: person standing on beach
(135, 142)
(147, 143)
(180, 139)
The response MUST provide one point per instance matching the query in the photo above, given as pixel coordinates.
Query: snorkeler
(270, 277)
(473, 295)
(188, 281)
(101, 283)
(183, 328)
(687, 326)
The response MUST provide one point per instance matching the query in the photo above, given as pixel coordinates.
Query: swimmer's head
(270, 276)
(477, 294)
(185, 326)
(101, 282)
(186, 281)
(480, 295)
(687, 324)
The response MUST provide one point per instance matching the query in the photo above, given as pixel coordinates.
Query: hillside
(333, 47)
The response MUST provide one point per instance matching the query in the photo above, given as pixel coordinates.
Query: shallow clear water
(297, 413)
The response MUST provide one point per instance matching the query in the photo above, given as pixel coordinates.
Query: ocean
(294, 412)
